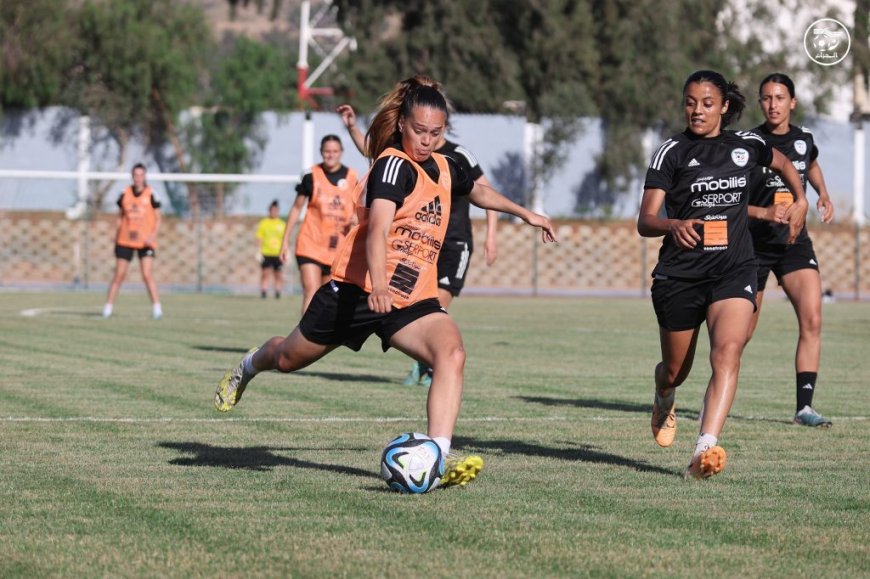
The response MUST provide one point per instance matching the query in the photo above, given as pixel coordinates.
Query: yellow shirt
(270, 232)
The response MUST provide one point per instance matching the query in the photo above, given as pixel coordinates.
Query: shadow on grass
(580, 453)
(230, 349)
(633, 407)
(342, 377)
(256, 458)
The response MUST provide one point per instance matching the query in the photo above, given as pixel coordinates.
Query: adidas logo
(748, 288)
(694, 163)
(444, 280)
(813, 262)
(807, 386)
(430, 213)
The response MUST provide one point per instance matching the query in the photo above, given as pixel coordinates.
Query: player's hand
(547, 233)
(826, 208)
(684, 233)
(348, 115)
(490, 251)
(776, 213)
(285, 254)
(796, 216)
(380, 301)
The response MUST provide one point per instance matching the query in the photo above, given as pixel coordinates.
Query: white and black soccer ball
(412, 463)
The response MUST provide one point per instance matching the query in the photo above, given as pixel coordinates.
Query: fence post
(199, 229)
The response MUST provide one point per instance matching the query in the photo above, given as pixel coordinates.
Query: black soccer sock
(806, 387)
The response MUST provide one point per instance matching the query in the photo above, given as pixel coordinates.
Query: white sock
(704, 442)
(248, 365)
(443, 443)
(107, 310)
(156, 310)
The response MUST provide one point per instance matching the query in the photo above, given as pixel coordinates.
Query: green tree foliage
(226, 135)
(35, 45)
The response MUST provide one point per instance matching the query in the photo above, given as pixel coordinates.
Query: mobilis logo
(725, 187)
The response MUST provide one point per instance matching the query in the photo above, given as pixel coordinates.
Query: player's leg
(435, 339)
(278, 278)
(264, 278)
(122, 265)
(146, 266)
(728, 324)
(678, 353)
(804, 289)
(311, 277)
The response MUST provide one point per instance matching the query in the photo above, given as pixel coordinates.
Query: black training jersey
(768, 188)
(459, 227)
(306, 185)
(393, 178)
(708, 179)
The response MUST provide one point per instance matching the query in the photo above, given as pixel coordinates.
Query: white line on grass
(321, 419)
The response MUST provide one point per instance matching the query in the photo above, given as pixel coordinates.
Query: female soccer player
(384, 278)
(328, 191)
(458, 246)
(706, 268)
(138, 224)
(795, 266)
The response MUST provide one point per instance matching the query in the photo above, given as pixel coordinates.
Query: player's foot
(664, 419)
(107, 311)
(156, 312)
(413, 377)
(425, 376)
(263, 294)
(461, 471)
(706, 464)
(809, 417)
(231, 386)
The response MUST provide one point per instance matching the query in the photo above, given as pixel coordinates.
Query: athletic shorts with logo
(681, 304)
(271, 262)
(339, 315)
(324, 269)
(784, 259)
(126, 253)
(453, 265)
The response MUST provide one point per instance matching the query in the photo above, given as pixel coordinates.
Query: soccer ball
(412, 463)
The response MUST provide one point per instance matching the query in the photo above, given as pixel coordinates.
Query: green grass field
(115, 464)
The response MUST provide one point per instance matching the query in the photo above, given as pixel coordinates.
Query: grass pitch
(113, 462)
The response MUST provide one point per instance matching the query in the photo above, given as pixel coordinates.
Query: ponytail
(398, 103)
(729, 90)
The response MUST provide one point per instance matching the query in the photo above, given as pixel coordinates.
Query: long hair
(729, 90)
(398, 103)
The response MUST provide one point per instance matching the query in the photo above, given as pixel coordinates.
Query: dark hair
(138, 166)
(417, 91)
(329, 138)
(274, 204)
(778, 78)
(729, 90)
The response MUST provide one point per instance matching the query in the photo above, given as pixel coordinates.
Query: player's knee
(726, 355)
(672, 375)
(284, 359)
(811, 324)
(452, 358)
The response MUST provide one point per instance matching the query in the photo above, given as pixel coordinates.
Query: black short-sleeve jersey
(459, 227)
(394, 178)
(708, 179)
(768, 188)
(306, 185)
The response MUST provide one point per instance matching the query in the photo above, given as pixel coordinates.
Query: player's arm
(158, 219)
(488, 198)
(796, 213)
(381, 215)
(292, 218)
(817, 180)
(348, 117)
(490, 248)
(651, 224)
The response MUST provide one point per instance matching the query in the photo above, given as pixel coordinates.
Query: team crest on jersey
(800, 146)
(342, 183)
(740, 156)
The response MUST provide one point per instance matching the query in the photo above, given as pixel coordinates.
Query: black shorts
(339, 314)
(681, 304)
(271, 262)
(784, 259)
(126, 253)
(301, 260)
(453, 265)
